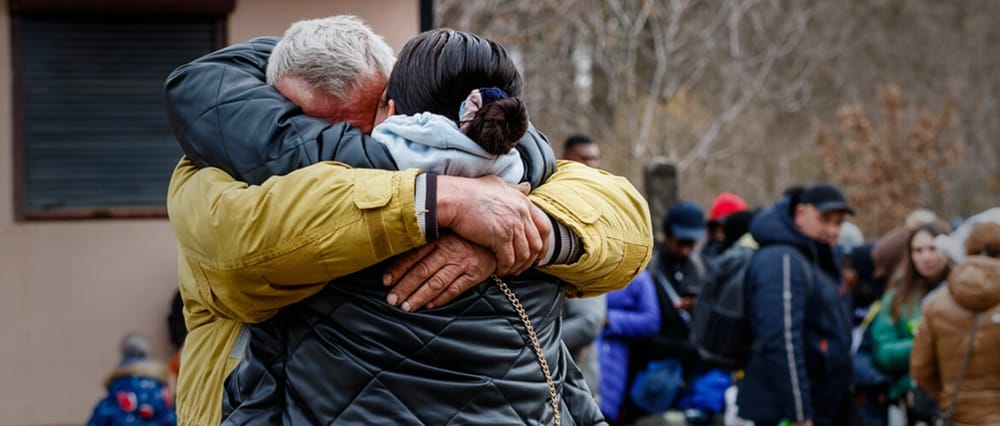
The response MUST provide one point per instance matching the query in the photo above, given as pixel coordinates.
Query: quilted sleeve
(225, 115)
(639, 314)
(537, 156)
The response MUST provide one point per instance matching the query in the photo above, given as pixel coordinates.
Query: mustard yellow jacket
(244, 251)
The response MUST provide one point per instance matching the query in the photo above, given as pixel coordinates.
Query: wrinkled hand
(489, 212)
(437, 272)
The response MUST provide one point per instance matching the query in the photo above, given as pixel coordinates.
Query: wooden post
(661, 191)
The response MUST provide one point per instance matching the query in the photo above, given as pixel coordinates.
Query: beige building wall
(72, 289)
(396, 20)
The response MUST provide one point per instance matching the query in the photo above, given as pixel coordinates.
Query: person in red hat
(724, 205)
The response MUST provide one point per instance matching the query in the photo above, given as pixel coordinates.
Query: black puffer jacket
(345, 356)
(253, 132)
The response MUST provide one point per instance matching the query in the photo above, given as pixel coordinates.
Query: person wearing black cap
(800, 365)
(677, 263)
(678, 273)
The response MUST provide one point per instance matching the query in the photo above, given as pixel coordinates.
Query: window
(91, 135)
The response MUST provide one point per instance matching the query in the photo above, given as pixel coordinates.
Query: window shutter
(94, 132)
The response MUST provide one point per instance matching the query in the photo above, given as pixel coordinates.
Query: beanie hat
(850, 237)
(919, 217)
(736, 224)
(890, 249)
(135, 347)
(984, 239)
(724, 205)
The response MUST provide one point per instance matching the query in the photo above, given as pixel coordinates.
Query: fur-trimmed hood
(975, 283)
(152, 369)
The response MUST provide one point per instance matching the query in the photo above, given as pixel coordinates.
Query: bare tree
(889, 170)
(643, 56)
(729, 90)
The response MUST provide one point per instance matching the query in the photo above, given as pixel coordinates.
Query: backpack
(720, 327)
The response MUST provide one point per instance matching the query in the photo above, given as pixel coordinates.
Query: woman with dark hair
(923, 268)
(493, 355)
(458, 111)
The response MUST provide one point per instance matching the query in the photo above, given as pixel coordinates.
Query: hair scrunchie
(477, 99)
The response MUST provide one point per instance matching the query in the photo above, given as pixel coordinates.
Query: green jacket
(893, 340)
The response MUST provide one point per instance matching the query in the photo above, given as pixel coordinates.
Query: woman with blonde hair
(955, 350)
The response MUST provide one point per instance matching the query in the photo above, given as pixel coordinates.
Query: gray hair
(336, 55)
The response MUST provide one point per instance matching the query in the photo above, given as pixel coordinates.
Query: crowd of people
(370, 238)
(893, 330)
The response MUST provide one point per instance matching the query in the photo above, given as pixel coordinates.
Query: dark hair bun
(499, 125)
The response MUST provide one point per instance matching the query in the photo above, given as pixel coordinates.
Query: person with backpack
(725, 205)
(719, 327)
(799, 367)
(679, 273)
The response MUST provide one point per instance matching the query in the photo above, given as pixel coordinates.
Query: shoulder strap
(699, 265)
(873, 310)
(663, 282)
(950, 411)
